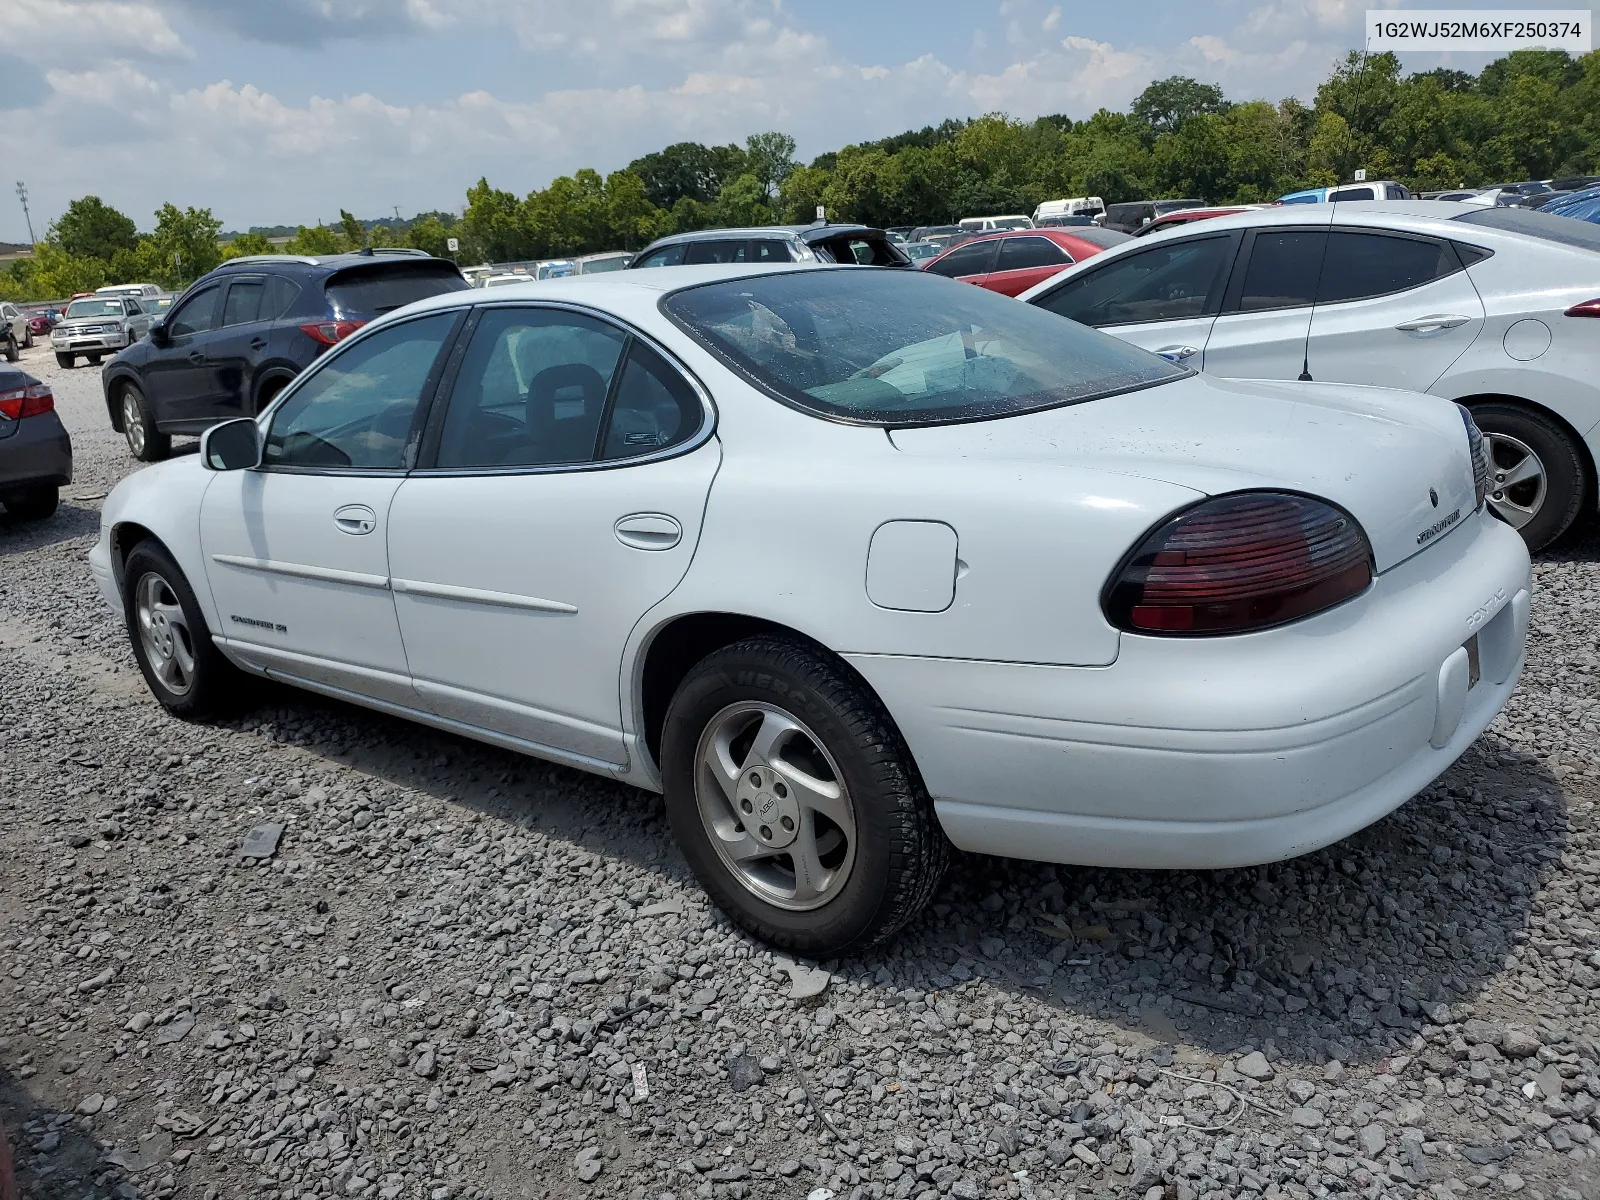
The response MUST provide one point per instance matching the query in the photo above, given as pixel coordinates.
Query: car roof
(323, 263)
(800, 231)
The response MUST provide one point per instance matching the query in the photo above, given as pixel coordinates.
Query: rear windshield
(905, 348)
(372, 291)
(1537, 224)
(1166, 206)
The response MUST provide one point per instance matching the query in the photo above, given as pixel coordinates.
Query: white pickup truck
(99, 325)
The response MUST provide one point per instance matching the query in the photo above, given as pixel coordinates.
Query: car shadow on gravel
(68, 522)
(53, 1158)
(1344, 952)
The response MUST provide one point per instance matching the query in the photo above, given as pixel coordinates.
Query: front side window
(531, 391)
(974, 259)
(901, 348)
(667, 256)
(197, 314)
(1361, 265)
(1019, 253)
(1283, 270)
(244, 302)
(1355, 193)
(1164, 283)
(358, 407)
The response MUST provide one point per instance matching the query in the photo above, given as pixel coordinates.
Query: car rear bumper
(37, 451)
(1220, 752)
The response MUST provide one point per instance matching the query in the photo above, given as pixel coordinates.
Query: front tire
(12, 353)
(184, 669)
(66, 361)
(27, 339)
(1536, 473)
(94, 359)
(145, 441)
(31, 503)
(795, 799)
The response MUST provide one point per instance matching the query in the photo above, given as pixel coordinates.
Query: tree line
(1530, 115)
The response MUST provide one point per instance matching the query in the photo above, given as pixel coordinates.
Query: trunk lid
(1397, 461)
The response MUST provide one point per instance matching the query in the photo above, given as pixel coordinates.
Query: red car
(1012, 261)
(1185, 216)
(39, 324)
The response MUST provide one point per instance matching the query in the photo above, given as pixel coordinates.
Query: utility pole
(22, 194)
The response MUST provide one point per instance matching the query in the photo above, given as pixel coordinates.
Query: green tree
(248, 243)
(91, 228)
(315, 241)
(185, 243)
(353, 231)
(1166, 104)
(687, 170)
(801, 192)
(493, 225)
(769, 157)
(742, 203)
(428, 232)
(631, 219)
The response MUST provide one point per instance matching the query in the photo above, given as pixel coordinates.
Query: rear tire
(1523, 441)
(31, 503)
(145, 441)
(27, 338)
(818, 746)
(184, 669)
(66, 361)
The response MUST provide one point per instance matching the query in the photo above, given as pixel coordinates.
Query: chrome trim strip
(300, 571)
(466, 595)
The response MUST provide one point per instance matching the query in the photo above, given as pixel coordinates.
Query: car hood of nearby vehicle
(1381, 455)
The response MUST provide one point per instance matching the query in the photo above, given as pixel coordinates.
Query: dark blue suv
(236, 338)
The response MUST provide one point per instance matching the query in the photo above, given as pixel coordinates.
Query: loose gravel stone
(442, 980)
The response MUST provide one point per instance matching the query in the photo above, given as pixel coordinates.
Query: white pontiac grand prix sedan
(852, 564)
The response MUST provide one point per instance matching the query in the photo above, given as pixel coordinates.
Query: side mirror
(159, 334)
(231, 446)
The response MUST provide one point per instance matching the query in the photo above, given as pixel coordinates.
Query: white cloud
(62, 32)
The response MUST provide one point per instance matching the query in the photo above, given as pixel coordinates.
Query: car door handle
(649, 531)
(1431, 324)
(1177, 354)
(197, 356)
(259, 343)
(355, 519)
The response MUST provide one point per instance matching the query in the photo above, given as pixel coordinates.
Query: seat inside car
(563, 412)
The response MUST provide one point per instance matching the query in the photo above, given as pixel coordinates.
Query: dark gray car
(820, 242)
(35, 451)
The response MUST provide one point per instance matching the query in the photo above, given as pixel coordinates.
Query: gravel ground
(467, 974)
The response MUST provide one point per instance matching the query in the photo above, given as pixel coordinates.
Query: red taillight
(30, 401)
(330, 332)
(1238, 563)
(1589, 308)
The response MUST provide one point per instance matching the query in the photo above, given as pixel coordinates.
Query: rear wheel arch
(677, 646)
(273, 381)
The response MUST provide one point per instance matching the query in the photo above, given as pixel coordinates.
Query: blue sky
(270, 111)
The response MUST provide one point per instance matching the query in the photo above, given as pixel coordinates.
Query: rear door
(1163, 297)
(1266, 315)
(242, 337)
(560, 498)
(1393, 310)
(1024, 262)
(970, 263)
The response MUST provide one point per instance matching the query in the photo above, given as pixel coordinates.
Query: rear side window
(531, 391)
(373, 291)
(1163, 283)
(654, 407)
(1283, 269)
(244, 302)
(974, 259)
(730, 251)
(1360, 265)
(1355, 193)
(1020, 253)
(279, 295)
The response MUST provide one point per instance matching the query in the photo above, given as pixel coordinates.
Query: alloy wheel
(133, 422)
(1517, 483)
(164, 633)
(775, 806)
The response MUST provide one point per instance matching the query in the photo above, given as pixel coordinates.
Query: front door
(1266, 316)
(179, 376)
(970, 263)
(1392, 310)
(562, 499)
(296, 550)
